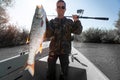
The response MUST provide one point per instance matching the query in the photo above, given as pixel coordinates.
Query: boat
(80, 67)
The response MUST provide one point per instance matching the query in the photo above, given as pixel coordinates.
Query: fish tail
(30, 68)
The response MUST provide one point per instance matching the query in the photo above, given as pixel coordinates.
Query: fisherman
(59, 31)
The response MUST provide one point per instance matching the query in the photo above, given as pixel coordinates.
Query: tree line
(10, 35)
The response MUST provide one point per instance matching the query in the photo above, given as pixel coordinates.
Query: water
(105, 56)
(12, 51)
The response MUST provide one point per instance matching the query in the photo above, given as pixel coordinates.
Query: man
(59, 31)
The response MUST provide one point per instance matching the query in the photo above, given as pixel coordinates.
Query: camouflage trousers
(64, 62)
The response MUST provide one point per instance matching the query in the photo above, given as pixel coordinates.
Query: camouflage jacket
(59, 30)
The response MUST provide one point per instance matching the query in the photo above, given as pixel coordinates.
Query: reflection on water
(105, 56)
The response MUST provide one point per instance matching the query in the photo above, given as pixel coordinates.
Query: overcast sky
(23, 10)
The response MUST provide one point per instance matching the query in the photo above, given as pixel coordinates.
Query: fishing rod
(81, 11)
(98, 18)
(75, 58)
(85, 17)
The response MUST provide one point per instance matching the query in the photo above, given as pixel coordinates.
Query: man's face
(61, 9)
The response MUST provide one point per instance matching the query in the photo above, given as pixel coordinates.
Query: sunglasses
(61, 7)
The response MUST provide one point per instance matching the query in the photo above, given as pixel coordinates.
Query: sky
(23, 10)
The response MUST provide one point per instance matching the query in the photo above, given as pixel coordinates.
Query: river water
(105, 56)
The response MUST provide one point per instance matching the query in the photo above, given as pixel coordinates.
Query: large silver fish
(37, 33)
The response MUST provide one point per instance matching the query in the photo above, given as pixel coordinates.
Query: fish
(36, 37)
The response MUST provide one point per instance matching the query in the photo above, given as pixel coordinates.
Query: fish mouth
(39, 6)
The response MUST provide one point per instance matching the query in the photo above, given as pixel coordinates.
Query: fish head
(40, 13)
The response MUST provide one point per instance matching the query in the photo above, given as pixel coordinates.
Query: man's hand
(46, 19)
(75, 17)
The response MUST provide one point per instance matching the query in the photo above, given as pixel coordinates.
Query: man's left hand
(75, 17)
